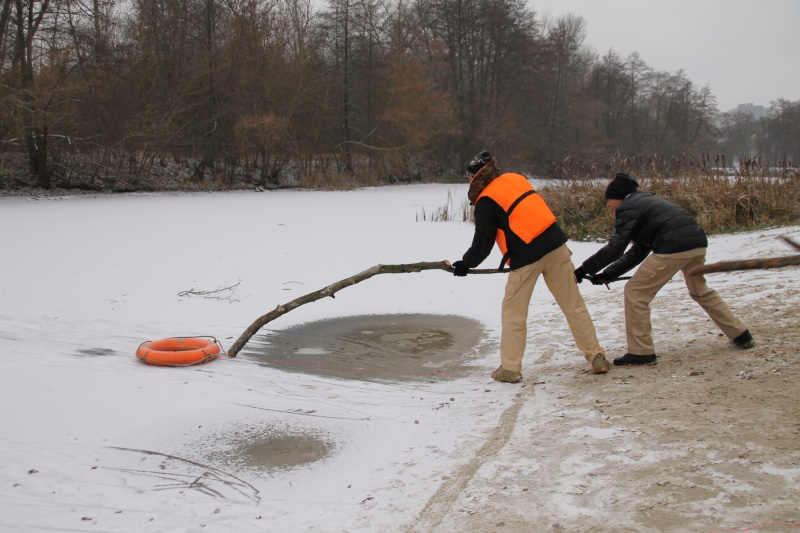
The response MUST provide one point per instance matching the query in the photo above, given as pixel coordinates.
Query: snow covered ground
(91, 439)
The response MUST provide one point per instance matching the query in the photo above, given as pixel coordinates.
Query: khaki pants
(557, 270)
(653, 274)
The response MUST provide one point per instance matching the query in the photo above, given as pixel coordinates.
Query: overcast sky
(746, 51)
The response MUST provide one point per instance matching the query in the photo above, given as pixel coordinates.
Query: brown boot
(508, 376)
(600, 365)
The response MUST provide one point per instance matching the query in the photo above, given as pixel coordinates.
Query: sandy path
(707, 440)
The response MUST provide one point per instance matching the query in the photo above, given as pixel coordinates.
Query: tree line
(121, 95)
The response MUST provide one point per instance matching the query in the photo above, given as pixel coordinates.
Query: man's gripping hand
(601, 278)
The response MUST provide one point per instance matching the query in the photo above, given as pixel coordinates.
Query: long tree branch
(752, 264)
(747, 264)
(332, 289)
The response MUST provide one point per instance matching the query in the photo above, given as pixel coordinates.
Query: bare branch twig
(215, 294)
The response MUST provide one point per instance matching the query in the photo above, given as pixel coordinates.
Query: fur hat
(478, 162)
(620, 187)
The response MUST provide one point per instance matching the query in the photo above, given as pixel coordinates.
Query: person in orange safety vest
(509, 212)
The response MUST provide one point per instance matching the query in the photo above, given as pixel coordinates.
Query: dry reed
(756, 194)
(752, 197)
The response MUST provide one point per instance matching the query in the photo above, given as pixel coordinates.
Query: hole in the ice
(377, 347)
(265, 448)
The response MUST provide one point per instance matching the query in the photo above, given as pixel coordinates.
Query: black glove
(460, 269)
(601, 278)
(580, 274)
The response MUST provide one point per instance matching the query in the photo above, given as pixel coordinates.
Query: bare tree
(637, 114)
(782, 125)
(31, 21)
(489, 48)
(565, 36)
(739, 133)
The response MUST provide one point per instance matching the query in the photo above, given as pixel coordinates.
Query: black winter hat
(620, 187)
(478, 162)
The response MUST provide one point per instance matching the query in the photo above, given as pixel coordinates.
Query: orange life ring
(178, 351)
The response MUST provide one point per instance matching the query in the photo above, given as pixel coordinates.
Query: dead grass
(449, 211)
(721, 204)
(757, 194)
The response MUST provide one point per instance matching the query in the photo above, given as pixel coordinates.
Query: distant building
(756, 111)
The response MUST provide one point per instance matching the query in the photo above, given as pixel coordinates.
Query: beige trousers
(653, 274)
(557, 270)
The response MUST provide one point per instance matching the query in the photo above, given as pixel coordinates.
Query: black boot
(632, 359)
(744, 341)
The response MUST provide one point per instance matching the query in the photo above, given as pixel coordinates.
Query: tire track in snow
(442, 501)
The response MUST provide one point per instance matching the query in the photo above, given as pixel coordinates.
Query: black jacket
(652, 224)
(489, 217)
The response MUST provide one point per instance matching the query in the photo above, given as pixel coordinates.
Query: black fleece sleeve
(607, 254)
(626, 217)
(633, 257)
(485, 232)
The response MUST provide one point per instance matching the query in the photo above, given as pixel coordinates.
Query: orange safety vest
(528, 214)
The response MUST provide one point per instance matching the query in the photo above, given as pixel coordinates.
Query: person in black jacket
(677, 242)
(509, 211)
